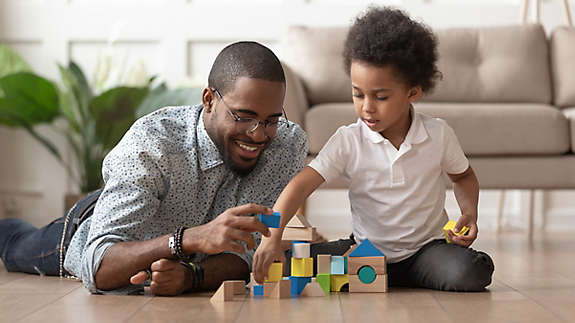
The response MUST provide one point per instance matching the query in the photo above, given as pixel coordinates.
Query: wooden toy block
(228, 289)
(282, 289)
(338, 266)
(299, 221)
(271, 220)
(379, 285)
(258, 290)
(350, 250)
(366, 249)
(275, 272)
(302, 234)
(324, 280)
(300, 250)
(324, 264)
(450, 226)
(302, 267)
(337, 282)
(297, 284)
(313, 289)
(366, 274)
(377, 263)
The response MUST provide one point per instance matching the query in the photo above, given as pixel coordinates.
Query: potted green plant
(94, 123)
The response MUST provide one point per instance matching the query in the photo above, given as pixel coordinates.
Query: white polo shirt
(397, 196)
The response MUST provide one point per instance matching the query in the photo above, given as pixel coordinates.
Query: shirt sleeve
(126, 209)
(453, 159)
(331, 160)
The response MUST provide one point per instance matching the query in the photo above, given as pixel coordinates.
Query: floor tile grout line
(440, 305)
(137, 310)
(242, 306)
(48, 304)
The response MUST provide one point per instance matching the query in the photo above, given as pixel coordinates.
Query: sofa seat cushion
(570, 114)
(482, 129)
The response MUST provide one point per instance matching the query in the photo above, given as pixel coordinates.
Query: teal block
(272, 221)
(366, 274)
(338, 265)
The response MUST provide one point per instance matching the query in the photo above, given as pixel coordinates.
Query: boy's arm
(293, 195)
(466, 189)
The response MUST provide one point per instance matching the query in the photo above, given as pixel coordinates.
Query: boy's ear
(414, 93)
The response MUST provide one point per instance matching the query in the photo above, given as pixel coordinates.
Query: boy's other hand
(467, 239)
(268, 251)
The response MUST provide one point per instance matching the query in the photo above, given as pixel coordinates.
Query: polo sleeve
(331, 161)
(453, 160)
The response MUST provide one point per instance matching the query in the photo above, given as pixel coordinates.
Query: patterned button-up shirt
(166, 172)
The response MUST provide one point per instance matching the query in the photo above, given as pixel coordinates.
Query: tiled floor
(531, 284)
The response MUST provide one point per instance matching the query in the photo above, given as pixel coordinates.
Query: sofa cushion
(570, 114)
(493, 64)
(563, 65)
(482, 129)
(315, 54)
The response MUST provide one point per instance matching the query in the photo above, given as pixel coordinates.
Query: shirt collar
(415, 135)
(208, 153)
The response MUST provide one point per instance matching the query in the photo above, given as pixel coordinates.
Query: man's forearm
(125, 259)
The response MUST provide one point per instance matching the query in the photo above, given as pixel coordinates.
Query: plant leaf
(11, 62)
(28, 99)
(114, 111)
(161, 97)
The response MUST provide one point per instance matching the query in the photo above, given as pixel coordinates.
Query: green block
(324, 281)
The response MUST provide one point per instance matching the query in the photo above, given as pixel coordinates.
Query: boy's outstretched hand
(269, 250)
(465, 240)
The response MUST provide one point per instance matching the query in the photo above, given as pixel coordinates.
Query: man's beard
(241, 172)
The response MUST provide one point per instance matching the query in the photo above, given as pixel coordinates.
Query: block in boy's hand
(450, 226)
(271, 220)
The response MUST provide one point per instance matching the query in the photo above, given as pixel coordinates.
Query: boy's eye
(358, 95)
(383, 98)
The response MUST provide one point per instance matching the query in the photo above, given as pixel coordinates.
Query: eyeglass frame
(237, 118)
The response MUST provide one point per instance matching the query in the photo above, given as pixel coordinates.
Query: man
(179, 187)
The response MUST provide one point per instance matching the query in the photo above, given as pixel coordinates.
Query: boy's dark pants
(438, 265)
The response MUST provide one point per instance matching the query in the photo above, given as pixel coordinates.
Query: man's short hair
(244, 59)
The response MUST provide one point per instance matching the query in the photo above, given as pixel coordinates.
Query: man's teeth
(248, 148)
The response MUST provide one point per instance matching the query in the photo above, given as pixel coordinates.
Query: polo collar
(208, 153)
(415, 135)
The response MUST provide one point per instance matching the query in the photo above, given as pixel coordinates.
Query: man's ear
(208, 99)
(414, 94)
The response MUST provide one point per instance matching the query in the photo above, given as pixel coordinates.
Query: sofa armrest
(296, 103)
(570, 114)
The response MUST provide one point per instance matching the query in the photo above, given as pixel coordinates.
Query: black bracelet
(175, 244)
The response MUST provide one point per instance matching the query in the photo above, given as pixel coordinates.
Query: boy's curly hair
(383, 36)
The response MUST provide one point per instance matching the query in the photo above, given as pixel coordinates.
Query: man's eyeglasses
(250, 125)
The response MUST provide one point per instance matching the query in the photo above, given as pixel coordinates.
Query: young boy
(394, 159)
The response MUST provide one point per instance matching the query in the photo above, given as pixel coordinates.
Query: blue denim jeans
(25, 248)
(437, 265)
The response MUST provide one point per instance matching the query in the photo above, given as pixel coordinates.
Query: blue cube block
(258, 290)
(272, 220)
(298, 284)
(338, 265)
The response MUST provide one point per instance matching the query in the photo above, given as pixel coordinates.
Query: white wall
(178, 40)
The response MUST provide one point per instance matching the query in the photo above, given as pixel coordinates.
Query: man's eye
(246, 120)
(383, 98)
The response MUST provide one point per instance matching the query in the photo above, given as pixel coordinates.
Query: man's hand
(169, 278)
(268, 252)
(226, 231)
(464, 240)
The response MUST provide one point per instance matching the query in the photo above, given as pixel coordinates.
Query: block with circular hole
(377, 263)
(367, 282)
(337, 282)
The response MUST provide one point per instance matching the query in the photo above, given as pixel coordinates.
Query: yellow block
(450, 226)
(302, 267)
(275, 272)
(337, 282)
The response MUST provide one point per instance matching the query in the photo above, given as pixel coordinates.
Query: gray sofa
(507, 91)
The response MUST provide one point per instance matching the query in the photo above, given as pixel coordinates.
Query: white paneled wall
(178, 40)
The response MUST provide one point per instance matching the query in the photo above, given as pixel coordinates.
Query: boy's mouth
(370, 122)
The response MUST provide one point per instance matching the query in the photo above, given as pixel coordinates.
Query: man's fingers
(163, 265)
(244, 236)
(249, 224)
(139, 278)
(250, 208)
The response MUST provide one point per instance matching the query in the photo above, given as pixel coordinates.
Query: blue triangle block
(366, 249)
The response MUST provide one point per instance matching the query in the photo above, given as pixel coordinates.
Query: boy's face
(381, 98)
(250, 98)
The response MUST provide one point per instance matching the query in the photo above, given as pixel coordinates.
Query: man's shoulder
(170, 119)
(290, 134)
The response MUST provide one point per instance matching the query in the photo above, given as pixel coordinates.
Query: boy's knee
(471, 275)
